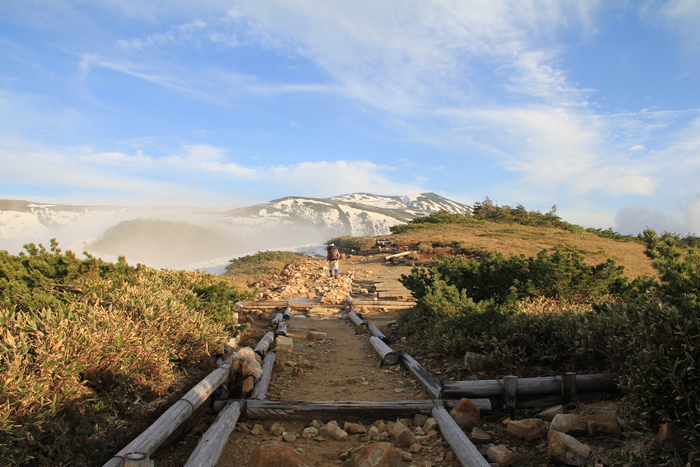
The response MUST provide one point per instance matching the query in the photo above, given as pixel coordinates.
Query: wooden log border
(463, 448)
(211, 445)
(148, 441)
(388, 356)
(530, 386)
(329, 410)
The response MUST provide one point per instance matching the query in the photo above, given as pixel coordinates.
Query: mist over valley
(197, 238)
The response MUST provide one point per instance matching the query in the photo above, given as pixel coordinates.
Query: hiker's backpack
(333, 254)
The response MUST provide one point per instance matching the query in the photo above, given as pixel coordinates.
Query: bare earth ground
(344, 366)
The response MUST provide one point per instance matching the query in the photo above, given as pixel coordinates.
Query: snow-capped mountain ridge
(277, 224)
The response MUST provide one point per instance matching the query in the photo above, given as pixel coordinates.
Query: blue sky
(592, 106)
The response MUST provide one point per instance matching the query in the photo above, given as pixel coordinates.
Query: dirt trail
(344, 366)
(341, 367)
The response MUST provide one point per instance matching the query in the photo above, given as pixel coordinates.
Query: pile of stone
(306, 280)
(383, 443)
(555, 425)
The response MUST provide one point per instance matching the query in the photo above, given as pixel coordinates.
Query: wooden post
(389, 357)
(465, 451)
(510, 392)
(260, 390)
(287, 312)
(332, 410)
(211, 445)
(265, 343)
(569, 392)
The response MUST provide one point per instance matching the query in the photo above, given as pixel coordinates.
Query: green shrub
(86, 345)
(561, 273)
(353, 243)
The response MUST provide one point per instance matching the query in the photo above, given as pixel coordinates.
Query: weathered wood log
(540, 401)
(528, 386)
(464, 450)
(383, 303)
(264, 344)
(331, 410)
(426, 380)
(485, 405)
(389, 288)
(148, 441)
(281, 328)
(277, 318)
(137, 459)
(263, 304)
(287, 312)
(260, 390)
(355, 317)
(395, 294)
(388, 356)
(374, 330)
(211, 445)
(398, 255)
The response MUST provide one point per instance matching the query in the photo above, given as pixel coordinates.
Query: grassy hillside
(479, 236)
(87, 348)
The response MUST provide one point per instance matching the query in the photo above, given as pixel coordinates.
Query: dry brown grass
(520, 239)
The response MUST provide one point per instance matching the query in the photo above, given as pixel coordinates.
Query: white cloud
(324, 178)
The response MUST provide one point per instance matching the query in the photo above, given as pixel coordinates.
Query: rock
(354, 428)
(420, 419)
(332, 430)
(599, 425)
(567, 449)
(376, 455)
(571, 424)
(403, 436)
(248, 385)
(315, 335)
(548, 414)
(276, 454)
(258, 429)
(309, 432)
(430, 425)
(476, 363)
(501, 455)
(479, 436)
(289, 436)
(527, 429)
(276, 429)
(466, 413)
(284, 344)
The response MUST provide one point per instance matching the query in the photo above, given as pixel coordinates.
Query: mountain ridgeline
(175, 237)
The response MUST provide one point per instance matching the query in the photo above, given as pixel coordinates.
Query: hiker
(333, 257)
